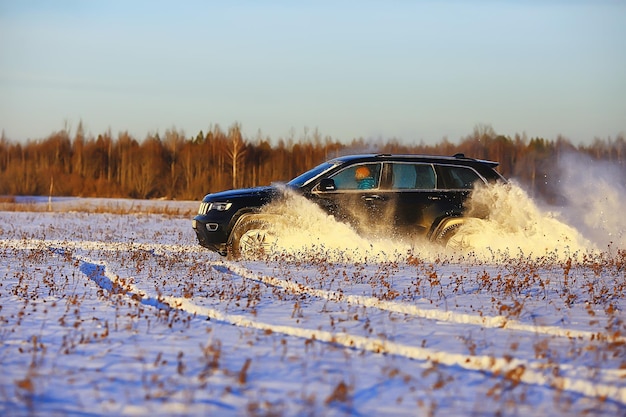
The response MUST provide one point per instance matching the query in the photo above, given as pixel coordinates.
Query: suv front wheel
(252, 237)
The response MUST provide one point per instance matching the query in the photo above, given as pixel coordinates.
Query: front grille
(204, 208)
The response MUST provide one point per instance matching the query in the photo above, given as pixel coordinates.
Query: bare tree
(174, 141)
(236, 151)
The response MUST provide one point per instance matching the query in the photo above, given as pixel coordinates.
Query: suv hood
(266, 191)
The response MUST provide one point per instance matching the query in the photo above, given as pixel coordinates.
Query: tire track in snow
(412, 310)
(515, 370)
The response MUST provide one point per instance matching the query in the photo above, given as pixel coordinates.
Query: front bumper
(210, 235)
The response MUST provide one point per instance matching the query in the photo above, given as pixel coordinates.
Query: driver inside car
(364, 179)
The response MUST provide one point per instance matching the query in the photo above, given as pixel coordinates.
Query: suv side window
(413, 176)
(455, 177)
(358, 177)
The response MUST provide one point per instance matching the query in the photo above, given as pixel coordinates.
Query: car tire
(252, 238)
(446, 229)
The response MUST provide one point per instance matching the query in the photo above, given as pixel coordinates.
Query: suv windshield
(303, 179)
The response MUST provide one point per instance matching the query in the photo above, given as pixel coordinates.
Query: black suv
(402, 195)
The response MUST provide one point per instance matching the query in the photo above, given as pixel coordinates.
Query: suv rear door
(416, 196)
(426, 193)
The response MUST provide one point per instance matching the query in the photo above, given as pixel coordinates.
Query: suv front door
(358, 197)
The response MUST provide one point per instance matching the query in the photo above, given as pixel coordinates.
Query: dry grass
(11, 204)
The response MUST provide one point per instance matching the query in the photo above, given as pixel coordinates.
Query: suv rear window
(413, 177)
(455, 177)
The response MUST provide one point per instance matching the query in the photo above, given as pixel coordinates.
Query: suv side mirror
(327, 184)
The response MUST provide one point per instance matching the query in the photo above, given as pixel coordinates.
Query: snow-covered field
(109, 308)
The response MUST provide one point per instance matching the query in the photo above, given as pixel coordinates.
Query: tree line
(174, 166)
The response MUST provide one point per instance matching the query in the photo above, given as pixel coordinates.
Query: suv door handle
(371, 197)
(434, 197)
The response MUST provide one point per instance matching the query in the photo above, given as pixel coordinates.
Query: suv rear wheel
(446, 229)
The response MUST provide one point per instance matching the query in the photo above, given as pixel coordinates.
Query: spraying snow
(503, 221)
(302, 226)
(596, 195)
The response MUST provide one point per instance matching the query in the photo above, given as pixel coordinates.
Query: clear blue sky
(411, 70)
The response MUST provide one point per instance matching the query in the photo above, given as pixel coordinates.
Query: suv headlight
(218, 206)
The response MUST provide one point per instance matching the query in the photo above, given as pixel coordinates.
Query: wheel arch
(445, 228)
(244, 218)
